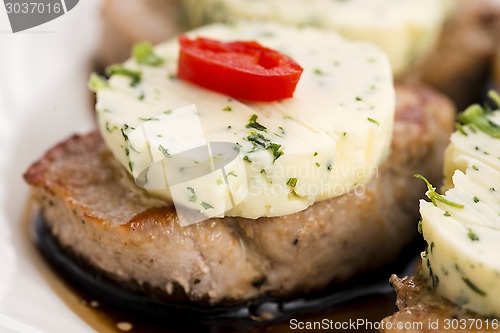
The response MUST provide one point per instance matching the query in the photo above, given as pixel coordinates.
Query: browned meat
(96, 211)
(460, 63)
(423, 311)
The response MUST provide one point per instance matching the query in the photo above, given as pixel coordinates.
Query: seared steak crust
(418, 304)
(94, 209)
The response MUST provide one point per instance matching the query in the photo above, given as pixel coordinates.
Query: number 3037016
(471, 324)
(33, 7)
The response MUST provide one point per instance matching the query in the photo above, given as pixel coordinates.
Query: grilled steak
(423, 311)
(96, 211)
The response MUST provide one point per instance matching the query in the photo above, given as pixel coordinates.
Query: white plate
(43, 99)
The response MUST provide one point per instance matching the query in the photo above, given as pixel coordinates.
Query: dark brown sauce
(372, 309)
(104, 318)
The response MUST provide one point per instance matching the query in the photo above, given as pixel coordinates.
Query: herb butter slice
(463, 234)
(326, 140)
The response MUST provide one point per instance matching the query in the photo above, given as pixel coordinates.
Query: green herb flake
(219, 182)
(132, 148)
(227, 109)
(252, 123)
(110, 129)
(476, 116)
(495, 97)
(447, 213)
(122, 130)
(358, 99)
(144, 54)
(434, 277)
(131, 166)
(315, 153)
(167, 112)
(232, 174)
(475, 199)
(318, 165)
(292, 182)
(373, 121)
(97, 82)
(258, 139)
(435, 280)
(472, 235)
(318, 71)
(275, 150)
(164, 151)
(472, 286)
(434, 196)
(419, 227)
(206, 206)
(192, 194)
(475, 168)
(134, 75)
(460, 129)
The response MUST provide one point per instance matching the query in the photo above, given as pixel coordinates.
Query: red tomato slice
(241, 69)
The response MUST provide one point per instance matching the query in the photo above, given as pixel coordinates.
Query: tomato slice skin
(244, 70)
